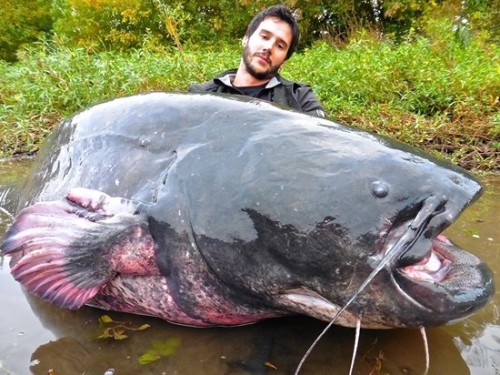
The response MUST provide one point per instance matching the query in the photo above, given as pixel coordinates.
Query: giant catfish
(207, 210)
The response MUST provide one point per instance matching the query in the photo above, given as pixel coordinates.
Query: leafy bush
(124, 24)
(23, 21)
(104, 23)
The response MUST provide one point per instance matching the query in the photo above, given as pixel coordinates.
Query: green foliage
(434, 92)
(400, 17)
(23, 21)
(125, 24)
(102, 24)
(160, 349)
(482, 17)
(112, 329)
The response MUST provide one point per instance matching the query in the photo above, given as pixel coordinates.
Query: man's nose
(268, 45)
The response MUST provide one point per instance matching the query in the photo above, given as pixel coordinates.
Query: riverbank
(438, 95)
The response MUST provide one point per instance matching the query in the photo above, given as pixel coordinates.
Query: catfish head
(300, 215)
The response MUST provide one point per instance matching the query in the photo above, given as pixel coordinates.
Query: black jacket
(278, 90)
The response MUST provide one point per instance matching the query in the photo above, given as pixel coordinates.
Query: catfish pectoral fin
(65, 251)
(45, 277)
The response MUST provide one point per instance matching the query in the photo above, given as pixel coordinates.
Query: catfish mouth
(422, 259)
(444, 281)
(433, 268)
(408, 244)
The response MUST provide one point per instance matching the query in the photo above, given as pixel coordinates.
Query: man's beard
(265, 74)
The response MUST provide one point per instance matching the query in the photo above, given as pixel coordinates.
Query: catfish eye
(380, 189)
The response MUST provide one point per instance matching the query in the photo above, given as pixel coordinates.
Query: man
(271, 38)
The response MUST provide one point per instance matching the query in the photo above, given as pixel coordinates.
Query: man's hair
(284, 14)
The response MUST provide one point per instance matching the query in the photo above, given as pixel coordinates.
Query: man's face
(265, 50)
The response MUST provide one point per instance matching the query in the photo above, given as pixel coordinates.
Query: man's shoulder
(295, 88)
(211, 85)
(299, 96)
(203, 87)
(290, 84)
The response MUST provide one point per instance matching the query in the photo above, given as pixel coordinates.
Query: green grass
(440, 95)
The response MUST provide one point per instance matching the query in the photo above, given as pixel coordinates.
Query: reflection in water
(242, 350)
(36, 336)
(482, 352)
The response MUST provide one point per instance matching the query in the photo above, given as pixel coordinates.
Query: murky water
(36, 337)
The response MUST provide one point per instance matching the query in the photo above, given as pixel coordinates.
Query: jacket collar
(227, 78)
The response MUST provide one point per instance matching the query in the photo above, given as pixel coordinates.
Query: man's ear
(244, 41)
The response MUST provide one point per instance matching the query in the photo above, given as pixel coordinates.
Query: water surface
(36, 337)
